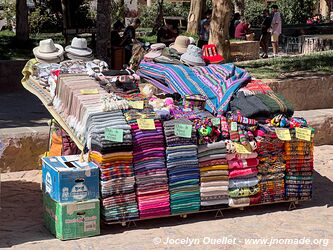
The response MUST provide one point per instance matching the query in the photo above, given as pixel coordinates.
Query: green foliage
(253, 11)
(117, 10)
(315, 63)
(37, 18)
(293, 12)
(148, 14)
(85, 15)
(296, 12)
(9, 12)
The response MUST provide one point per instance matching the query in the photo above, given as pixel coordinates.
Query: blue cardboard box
(66, 179)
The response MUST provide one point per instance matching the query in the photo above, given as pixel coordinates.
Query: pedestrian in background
(276, 28)
(265, 34)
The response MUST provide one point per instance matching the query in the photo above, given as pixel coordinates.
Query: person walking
(265, 34)
(276, 29)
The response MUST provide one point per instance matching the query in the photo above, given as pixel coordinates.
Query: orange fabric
(56, 145)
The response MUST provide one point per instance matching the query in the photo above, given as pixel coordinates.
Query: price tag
(136, 104)
(146, 124)
(241, 149)
(233, 126)
(303, 134)
(114, 134)
(89, 91)
(183, 130)
(216, 121)
(283, 134)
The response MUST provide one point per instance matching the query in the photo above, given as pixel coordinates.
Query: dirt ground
(310, 226)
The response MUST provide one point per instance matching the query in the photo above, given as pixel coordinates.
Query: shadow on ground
(22, 109)
(21, 212)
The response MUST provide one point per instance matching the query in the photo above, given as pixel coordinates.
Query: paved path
(21, 225)
(22, 109)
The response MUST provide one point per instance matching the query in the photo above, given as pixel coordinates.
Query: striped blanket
(217, 82)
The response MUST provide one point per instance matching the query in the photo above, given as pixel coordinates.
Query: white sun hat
(49, 51)
(79, 47)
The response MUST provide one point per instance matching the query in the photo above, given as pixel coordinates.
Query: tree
(325, 6)
(159, 17)
(103, 27)
(194, 17)
(22, 26)
(219, 26)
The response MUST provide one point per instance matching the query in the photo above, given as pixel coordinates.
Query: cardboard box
(68, 180)
(71, 220)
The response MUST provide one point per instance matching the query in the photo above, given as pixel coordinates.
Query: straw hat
(180, 44)
(193, 56)
(79, 47)
(49, 51)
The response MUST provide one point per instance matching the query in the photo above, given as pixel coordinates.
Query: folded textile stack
(183, 170)
(150, 170)
(80, 101)
(96, 136)
(114, 157)
(257, 100)
(213, 174)
(243, 180)
(120, 207)
(298, 155)
(271, 166)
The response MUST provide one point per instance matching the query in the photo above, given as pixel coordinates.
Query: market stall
(169, 139)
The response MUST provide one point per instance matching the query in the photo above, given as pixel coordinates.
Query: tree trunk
(219, 26)
(327, 12)
(103, 28)
(65, 13)
(159, 17)
(22, 26)
(203, 8)
(194, 17)
(239, 7)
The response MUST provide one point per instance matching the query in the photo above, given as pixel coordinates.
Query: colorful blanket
(215, 82)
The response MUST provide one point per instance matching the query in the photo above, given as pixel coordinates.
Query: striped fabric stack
(298, 155)
(116, 168)
(243, 180)
(213, 174)
(271, 167)
(150, 171)
(183, 169)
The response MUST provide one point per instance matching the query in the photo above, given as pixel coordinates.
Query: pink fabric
(238, 173)
(239, 164)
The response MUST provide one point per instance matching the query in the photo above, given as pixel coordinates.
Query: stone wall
(306, 93)
(22, 148)
(244, 50)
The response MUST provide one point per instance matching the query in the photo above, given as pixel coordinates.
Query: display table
(33, 86)
(162, 168)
